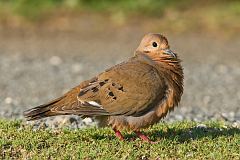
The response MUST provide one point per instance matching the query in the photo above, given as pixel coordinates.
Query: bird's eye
(154, 44)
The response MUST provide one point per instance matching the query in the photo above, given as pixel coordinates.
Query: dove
(132, 95)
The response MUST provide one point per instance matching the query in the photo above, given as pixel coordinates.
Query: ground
(39, 65)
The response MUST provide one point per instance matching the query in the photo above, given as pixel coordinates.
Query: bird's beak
(169, 52)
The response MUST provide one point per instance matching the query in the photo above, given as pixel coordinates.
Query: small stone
(196, 119)
(55, 60)
(224, 116)
(179, 117)
(201, 125)
(236, 124)
(8, 100)
(228, 116)
(87, 121)
(231, 114)
(77, 67)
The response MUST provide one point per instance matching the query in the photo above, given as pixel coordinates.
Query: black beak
(169, 52)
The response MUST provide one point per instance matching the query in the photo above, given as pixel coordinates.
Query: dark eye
(154, 44)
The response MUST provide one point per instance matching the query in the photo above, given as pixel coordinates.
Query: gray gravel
(36, 67)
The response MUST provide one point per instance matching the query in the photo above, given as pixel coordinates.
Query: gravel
(38, 67)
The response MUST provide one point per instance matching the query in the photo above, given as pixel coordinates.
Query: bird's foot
(144, 137)
(118, 134)
(138, 133)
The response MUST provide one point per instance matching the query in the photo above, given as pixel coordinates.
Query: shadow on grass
(194, 133)
(179, 135)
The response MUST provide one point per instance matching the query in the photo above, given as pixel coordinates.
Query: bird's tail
(42, 111)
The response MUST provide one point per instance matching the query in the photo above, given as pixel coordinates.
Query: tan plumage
(131, 95)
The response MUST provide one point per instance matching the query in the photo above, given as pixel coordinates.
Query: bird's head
(155, 45)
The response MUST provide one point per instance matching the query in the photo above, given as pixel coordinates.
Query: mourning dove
(131, 95)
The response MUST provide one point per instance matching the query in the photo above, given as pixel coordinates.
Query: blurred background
(50, 46)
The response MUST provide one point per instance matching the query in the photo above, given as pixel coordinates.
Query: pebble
(89, 122)
(201, 126)
(55, 60)
(236, 124)
(77, 67)
(228, 116)
(178, 117)
(8, 100)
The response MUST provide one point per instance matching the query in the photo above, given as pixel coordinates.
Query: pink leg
(118, 134)
(143, 137)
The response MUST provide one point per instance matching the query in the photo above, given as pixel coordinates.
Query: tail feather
(62, 106)
(41, 111)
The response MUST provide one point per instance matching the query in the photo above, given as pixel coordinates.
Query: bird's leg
(118, 134)
(143, 137)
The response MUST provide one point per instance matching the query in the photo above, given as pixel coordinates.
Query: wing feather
(126, 89)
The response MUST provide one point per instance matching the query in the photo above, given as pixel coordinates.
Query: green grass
(33, 9)
(180, 140)
(215, 16)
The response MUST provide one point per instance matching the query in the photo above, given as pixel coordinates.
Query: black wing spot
(101, 83)
(94, 89)
(106, 80)
(114, 98)
(111, 94)
(121, 88)
(113, 84)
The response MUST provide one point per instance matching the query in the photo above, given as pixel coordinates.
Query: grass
(32, 9)
(179, 140)
(215, 16)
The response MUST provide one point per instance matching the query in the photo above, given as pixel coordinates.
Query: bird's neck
(172, 72)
